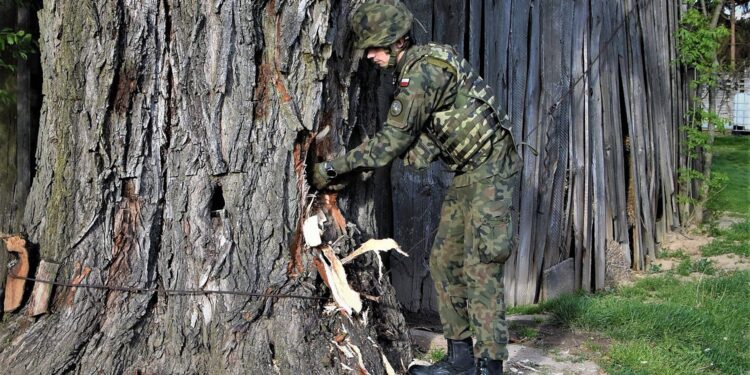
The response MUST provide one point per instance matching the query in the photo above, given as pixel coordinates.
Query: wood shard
(374, 245)
(388, 368)
(311, 231)
(38, 304)
(14, 286)
(335, 277)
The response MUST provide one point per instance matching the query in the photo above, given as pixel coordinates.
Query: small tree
(699, 40)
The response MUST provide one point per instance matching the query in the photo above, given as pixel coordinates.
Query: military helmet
(380, 25)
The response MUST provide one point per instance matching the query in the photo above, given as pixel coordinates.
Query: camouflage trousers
(474, 239)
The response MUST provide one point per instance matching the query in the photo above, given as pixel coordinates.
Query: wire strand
(174, 292)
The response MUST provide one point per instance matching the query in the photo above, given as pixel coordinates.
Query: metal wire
(174, 292)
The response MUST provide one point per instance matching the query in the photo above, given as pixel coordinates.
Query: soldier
(443, 109)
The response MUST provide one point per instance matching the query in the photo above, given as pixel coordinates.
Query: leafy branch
(14, 44)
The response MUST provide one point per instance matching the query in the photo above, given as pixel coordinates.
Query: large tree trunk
(172, 150)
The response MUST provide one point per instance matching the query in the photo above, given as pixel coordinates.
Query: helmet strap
(391, 60)
(393, 52)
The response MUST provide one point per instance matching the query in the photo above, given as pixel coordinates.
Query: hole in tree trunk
(217, 201)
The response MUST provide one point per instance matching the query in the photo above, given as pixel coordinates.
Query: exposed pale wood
(40, 295)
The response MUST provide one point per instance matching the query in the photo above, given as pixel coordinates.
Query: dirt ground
(538, 345)
(691, 242)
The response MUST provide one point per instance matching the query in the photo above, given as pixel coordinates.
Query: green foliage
(14, 44)
(697, 45)
(654, 268)
(697, 141)
(18, 43)
(662, 325)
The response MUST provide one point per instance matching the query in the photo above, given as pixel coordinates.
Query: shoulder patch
(397, 107)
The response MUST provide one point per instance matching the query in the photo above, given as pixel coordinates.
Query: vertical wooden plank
(593, 142)
(554, 251)
(643, 145)
(450, 24)
(474, 53)
(527, 257)
(516, 99)
(518, 64)
(577, 136)
(615, 191)
(638, 94)
(500, 69)
(612, 17)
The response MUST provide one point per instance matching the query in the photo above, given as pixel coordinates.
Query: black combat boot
(459, 361)
(486, 366)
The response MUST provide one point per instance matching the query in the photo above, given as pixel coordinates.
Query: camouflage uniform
(440, 103)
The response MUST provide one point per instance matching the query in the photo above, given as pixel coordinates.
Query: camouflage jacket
(432, 82)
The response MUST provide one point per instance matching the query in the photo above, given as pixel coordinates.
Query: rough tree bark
(172, 150)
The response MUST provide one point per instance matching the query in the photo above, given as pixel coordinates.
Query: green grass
(735, 240)
(678, 254)
(436, 355)
(703, 265)
(529, 333)
(731, 156)
(662, 325)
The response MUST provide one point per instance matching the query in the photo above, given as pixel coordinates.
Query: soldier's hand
(319, 177)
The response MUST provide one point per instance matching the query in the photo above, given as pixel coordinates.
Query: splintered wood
(377, 246)
(334, 276)
(14, 286)
(374, 245)
(331, 270)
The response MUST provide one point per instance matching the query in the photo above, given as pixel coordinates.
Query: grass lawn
(663, 325)
(732, 157)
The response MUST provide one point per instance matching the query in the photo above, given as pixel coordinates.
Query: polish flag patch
(404, 82)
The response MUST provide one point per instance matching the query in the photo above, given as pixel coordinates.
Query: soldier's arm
(424, 87)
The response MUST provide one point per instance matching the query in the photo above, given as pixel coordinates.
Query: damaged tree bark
(173, 144)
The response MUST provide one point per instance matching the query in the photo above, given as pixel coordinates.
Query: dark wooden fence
(590, 85)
